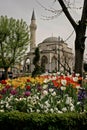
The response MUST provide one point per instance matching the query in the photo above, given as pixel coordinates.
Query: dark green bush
(34, 121)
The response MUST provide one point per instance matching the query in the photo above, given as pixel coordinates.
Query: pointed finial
(33, 15)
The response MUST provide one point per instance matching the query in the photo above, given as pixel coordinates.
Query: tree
(14, 38)
(79, 28)
(37, 69)
(85, 67)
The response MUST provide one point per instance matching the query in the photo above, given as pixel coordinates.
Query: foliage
(14, 38)
(33, 121)
(37, 56)
(37, 69)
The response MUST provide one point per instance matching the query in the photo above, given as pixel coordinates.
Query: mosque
(55, 55)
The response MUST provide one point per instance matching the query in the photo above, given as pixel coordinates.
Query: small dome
(51, 40)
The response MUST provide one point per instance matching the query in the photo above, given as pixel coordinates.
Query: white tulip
(51, 90)
(63, 88)
(75, 79)
(54, 94)
(45, 86)
(45, 93)
(64, 82)
(68, 100)
(77, 74)
(64, 109)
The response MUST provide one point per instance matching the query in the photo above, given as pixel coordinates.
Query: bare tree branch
(55, 12)
(84, 12)
(65, 10)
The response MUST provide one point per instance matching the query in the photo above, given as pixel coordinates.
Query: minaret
(33, 28)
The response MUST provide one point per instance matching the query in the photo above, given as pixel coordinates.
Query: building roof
(51, 40)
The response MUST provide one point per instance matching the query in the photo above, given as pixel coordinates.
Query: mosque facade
(55, 55)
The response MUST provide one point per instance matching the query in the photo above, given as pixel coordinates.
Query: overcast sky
(59, 26)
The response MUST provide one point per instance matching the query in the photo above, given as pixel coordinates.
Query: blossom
(78, 86)
(51, 90)
(46, 80)
(27, 93)
(39, 88)
(68, 100)
(3, 91)
(72, 108)
(47, 104)
(51, 110)
(58, 73)
(64, 109)
(77, 74)
(45, 86)
(45, 93)
(28, 87)
(28, 80)
(2, 110)
(63, 88)
(81, 94)
(13, 92)
(64, 82)
(55, 93)
(75, 79)
(7, 86)
(0, 96)
(37, 110)
(3, 82)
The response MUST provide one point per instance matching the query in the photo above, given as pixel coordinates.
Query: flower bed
(43, 94)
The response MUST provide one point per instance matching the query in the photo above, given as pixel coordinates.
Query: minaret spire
(33, 28)
(33, 16)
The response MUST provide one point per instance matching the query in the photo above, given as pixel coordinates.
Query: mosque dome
(51, 39)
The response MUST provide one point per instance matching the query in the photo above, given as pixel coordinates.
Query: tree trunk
(79, 61)
(6, 73)
(79, 48)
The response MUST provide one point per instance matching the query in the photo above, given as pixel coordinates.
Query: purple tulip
(13, 92)
(27, 93)
(39, 88)
(3, 91)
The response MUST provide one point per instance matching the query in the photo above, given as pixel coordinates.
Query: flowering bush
(43, 94)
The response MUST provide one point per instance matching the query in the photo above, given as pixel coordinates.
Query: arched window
(44, 63)
(54, 63)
